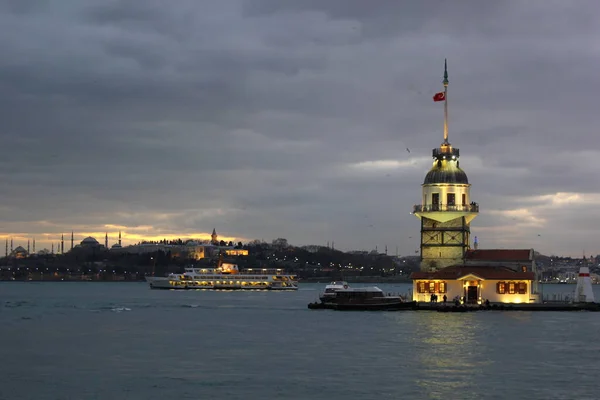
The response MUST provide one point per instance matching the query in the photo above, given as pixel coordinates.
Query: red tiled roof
(459, 271)
(499, 255)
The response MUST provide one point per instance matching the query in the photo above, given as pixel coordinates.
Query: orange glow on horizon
(45, 240)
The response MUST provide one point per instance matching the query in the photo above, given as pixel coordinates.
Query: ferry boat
(226, 276)
(329, 292)
(363, 299)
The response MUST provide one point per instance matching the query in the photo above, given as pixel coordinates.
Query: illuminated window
(501, 287)
(511, 288)
(522, 288)
(421, 287)
(442, 287)
(431, 287)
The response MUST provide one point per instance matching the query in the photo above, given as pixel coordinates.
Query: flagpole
(445, 101)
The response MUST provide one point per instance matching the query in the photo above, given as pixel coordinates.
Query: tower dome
(445, 172)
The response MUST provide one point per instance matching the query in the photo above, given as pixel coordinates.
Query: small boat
(363, 299)
(329, 292)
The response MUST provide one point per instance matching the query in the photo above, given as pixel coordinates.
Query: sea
(93, 340)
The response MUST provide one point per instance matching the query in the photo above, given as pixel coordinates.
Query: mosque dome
(447, 173)
(89, 241)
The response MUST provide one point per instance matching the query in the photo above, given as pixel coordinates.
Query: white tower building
(446, 209)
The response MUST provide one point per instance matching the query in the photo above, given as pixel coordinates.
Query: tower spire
(445, 101)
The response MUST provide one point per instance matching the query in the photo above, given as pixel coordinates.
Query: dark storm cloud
(270, 118)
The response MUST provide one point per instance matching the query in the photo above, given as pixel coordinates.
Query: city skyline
(312, 121)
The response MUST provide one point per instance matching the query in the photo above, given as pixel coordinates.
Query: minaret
(214, 237)
(62, 243)
(11, 245)
(52, 251)
(6, 249)
(119, 238)
(106, 240)
(71, 240)
(34, 246)
(446, 210)
(27, 246)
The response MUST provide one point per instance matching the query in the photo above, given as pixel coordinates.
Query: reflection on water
(448, 350)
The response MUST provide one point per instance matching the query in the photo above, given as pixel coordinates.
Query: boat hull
(392, 306)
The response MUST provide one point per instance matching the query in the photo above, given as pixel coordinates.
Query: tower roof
(445, 172)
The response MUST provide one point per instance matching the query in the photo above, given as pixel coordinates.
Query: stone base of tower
(443, 243)
(432, 265)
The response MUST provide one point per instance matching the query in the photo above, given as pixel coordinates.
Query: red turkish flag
(439, 96)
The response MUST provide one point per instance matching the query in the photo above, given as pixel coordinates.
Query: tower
(214, 237)
(446, 210)
(28, 247)
(62, 243)
(34, 246)
(119, 238)
(106, 240)
(6, 249)
(71, 240)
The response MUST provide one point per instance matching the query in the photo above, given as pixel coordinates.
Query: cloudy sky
(291, 118)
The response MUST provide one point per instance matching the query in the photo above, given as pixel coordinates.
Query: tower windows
(451, 199)
(435, 201)
(464, 199)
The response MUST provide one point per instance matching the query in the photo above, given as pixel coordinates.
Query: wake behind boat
(226, 276)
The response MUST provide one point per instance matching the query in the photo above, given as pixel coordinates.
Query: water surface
(94, 340)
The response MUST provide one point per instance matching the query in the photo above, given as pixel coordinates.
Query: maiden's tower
(446, 209)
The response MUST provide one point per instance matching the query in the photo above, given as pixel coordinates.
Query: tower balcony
(446, 212)
(472, 208)
(445, 151)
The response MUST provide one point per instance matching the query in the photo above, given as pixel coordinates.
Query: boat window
(431, 287)
(511, 288)
(522, 288)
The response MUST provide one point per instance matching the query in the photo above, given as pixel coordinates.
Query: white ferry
(226, 276)
(331, 289)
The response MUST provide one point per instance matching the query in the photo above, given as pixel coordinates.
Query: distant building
(19, 252)
(236, 252)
